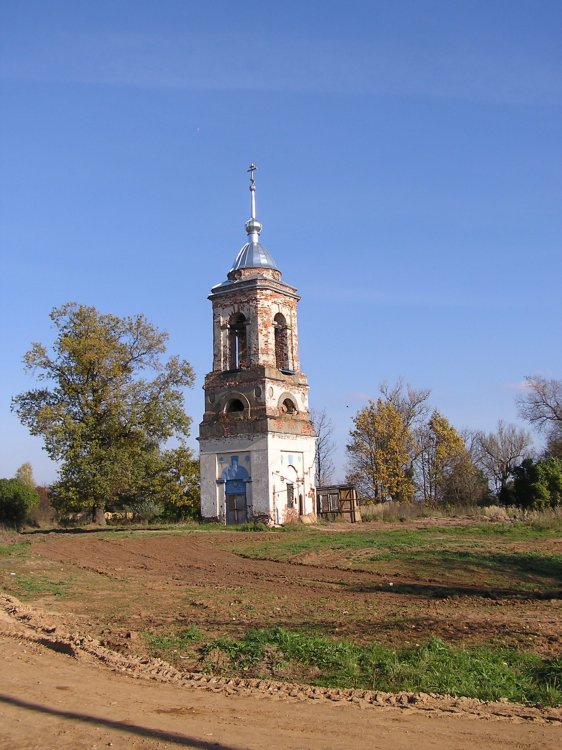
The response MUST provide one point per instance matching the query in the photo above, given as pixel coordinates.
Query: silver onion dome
(253, 254)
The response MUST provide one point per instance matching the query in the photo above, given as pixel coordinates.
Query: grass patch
(161, 645)
(456, 555)
(250, 527)
(289, 545)
(516, 531)
(15, 549)
(28, 587)
(485, 672)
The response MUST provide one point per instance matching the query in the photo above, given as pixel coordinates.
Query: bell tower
(256, 438)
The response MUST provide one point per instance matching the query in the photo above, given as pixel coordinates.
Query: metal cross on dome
(252, 170)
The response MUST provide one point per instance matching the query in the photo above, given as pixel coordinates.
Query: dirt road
(61, 691)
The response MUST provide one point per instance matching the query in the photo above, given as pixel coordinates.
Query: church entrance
(236, 506)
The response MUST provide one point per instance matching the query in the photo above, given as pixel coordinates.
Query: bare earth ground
(54, 693)
(75, 673)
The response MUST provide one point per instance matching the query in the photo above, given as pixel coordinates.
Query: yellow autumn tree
(447, 471)
(379, 453)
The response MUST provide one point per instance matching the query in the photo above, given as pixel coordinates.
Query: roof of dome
(253, 255)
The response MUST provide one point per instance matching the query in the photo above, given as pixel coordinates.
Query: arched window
(237, 342)
(234, 405)
(281, 342)
(288, 407)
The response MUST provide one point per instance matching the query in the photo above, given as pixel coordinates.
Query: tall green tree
(538, 485)
(109, 403)
(180, 484)
(16, 501)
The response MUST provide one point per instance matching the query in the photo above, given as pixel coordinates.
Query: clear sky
(409, 185)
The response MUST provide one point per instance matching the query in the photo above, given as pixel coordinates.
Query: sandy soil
(63, 690)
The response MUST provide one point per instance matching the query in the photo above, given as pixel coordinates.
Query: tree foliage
(175, 484)
(446, 472)
(25, 475)
(379, 453)
(411, 403)
(108, 405)
(538, 486)
(399, 450)
(16, 501)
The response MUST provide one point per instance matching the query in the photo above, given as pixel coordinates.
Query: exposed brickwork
(256, 402)
(251, 373)
(258, 299)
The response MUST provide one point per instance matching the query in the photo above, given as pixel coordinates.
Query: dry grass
(392, 512)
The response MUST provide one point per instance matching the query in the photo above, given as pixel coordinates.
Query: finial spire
(253, 226)
(253, 254)
(252, 170)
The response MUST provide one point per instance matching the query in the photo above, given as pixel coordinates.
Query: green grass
(160, 645)
(289, 545)
(515, 570)
(15, 549)
(485, 672)
(514, 531)
(483, 557)
(29, 587)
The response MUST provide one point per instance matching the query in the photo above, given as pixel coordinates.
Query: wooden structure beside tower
(257, 442)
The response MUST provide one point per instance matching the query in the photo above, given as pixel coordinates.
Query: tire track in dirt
(24, 623)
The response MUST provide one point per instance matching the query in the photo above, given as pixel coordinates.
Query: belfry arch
(281, 342)
(237, 342)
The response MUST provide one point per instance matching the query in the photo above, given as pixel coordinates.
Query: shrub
(148, 510)
(16, 501)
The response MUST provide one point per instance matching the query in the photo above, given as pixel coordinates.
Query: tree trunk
(99, 515)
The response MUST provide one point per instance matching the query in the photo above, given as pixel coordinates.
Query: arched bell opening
(234, 405)
(237, 342)
(281, 342)
(288, 406)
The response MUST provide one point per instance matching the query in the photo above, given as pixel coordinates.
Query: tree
(379, 453)
(500, 452)
(175, 483)
(16, 501)
(553, 446)
(538, 486)
(447, 473)
(541, 405)
(109, 403)
(325, 447)
(25, 475)
(411, 403)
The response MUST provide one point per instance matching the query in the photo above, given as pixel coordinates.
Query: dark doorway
(236, 506)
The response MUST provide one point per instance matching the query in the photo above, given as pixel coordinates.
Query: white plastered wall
(270, 472)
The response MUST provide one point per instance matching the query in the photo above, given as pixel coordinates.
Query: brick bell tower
(256, 438)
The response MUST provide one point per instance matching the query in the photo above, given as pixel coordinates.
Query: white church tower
(256, 439)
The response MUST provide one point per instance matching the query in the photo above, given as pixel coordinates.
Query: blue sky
(409, 184)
